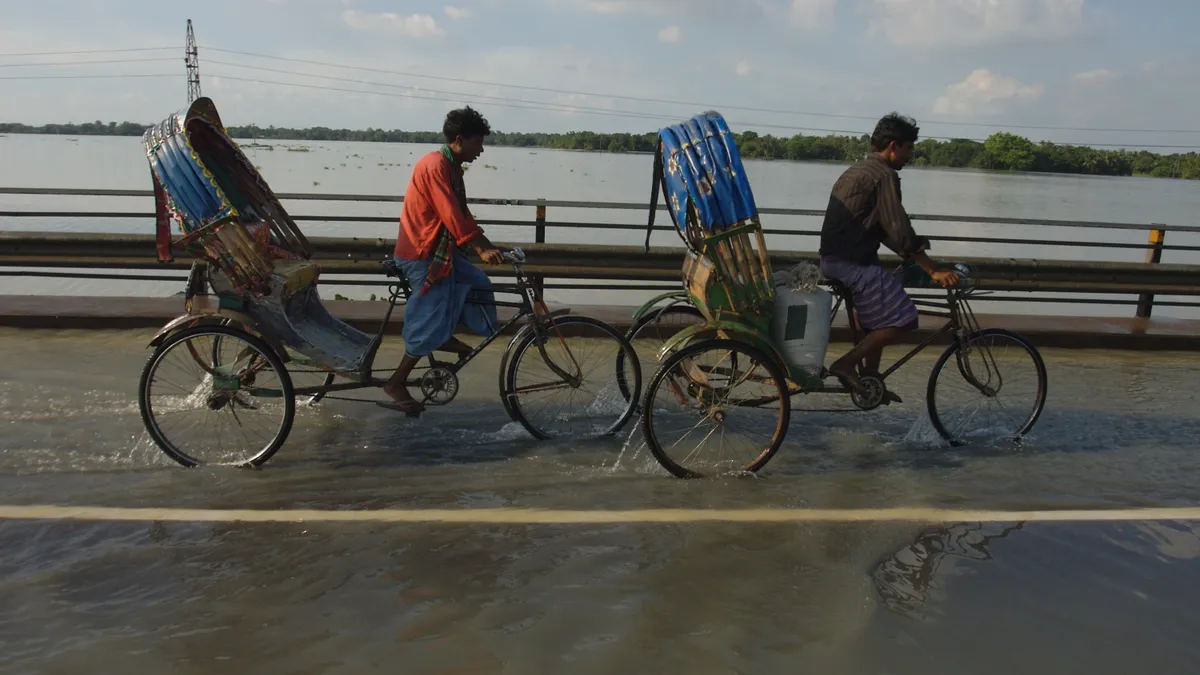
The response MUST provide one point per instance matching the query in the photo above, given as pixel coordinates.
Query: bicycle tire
(259, 345)
(939, 367)
(519, 348)
(775, 372)
(645, 320)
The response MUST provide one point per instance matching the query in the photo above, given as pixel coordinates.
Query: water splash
(922, 433)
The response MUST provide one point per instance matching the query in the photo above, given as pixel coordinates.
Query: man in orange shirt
(434, 223)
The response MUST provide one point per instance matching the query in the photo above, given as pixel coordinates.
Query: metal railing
(79, 255)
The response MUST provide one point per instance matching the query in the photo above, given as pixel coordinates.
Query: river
(531, 173)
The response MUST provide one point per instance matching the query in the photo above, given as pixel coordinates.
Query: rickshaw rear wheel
(244, 378)
(656, 419)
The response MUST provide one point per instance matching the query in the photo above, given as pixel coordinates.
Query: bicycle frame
(527, 309)
(960, 320)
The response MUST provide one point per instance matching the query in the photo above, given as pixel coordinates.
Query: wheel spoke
(585, 349)
(981, 390)
(239, 408)
(699, 388)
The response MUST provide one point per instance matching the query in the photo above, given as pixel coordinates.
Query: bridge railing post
(539, 227)
(1154, 251)
(539, 237)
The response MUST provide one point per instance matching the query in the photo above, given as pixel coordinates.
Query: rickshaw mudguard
(641, 311)
(738, 331)
(243, 321)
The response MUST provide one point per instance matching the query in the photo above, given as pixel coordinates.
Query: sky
(1111, 72)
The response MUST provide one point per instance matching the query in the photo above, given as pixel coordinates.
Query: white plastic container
(800, 326)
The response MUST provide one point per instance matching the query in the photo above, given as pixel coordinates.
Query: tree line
(1001, 151)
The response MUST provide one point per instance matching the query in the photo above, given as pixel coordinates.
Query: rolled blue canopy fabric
(701, 163)
(192, 190)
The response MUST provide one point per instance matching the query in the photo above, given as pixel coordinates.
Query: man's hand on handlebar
(945, 278)
(488, 251)
(492, 256)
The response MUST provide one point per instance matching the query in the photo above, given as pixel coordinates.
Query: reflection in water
(906, 580)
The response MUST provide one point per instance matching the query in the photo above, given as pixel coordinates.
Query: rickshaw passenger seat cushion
(296, 274)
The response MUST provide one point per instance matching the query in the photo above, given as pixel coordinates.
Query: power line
(696, 104)
(567, 107)
(85, 77)
(82, 63)
(92, 51)
(544, 107)
(530, 105)
(500, 101)
(617, 113)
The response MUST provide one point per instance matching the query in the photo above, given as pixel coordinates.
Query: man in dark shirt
(864, 211)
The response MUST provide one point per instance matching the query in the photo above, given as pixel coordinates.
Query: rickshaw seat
(296, 274)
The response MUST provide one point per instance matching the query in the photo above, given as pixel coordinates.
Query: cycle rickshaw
(736, 323)
(220, 376)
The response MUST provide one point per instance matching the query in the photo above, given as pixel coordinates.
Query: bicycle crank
(869, 394)
(439, 385)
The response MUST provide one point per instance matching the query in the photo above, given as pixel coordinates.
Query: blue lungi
(879, 297)
(430, 319)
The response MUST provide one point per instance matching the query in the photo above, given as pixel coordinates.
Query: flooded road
(1119, 430)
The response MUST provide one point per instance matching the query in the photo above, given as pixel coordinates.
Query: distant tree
(1000, 151)
(1010, 151)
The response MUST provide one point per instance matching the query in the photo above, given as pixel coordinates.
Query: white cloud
(743, 68)
(458, 13)
(624, 6)
(972, 23)
(1095, 77)
(413, 25)
(812, 14)
(805, 14)
(670, 34)
(984, 90)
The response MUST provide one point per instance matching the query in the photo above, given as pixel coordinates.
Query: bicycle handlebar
(516, 256)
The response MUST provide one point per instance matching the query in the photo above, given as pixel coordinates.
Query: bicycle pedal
(890, 397)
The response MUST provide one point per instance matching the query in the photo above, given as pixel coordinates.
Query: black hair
(465, 122)
(894, 127)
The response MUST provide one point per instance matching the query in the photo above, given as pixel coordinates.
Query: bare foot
(398, 394)
(845, 374)
(402, 401)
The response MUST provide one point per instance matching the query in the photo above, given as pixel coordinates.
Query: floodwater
(1118, 431)
(531, 173)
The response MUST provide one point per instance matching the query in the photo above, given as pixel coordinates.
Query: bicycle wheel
(561, 380)
(988, 365)
(695, 387)
(651, 331)
(237, 409)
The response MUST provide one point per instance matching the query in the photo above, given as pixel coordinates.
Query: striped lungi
(879, 298)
